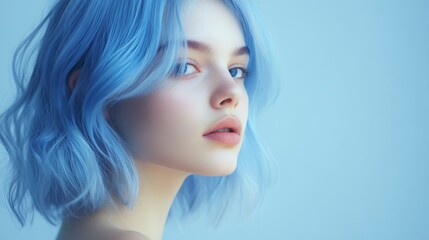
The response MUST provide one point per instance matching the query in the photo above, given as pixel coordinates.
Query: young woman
(136, 112)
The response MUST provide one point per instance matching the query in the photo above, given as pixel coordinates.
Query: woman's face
(167, 127)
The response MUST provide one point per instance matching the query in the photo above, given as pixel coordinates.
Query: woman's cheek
(171, 122)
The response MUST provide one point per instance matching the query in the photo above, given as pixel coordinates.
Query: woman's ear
(73, 78)
(107, 116)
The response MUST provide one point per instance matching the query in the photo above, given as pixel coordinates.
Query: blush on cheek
(164, 125)
(174, 111)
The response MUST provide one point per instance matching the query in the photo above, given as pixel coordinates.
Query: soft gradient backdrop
(350, 128)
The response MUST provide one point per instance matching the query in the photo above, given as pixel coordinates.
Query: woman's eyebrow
(199, 46)
(241, 51)
(204, 47)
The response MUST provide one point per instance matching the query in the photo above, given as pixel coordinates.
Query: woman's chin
(223, 169)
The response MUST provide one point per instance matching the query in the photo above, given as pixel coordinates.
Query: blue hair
(65, 158)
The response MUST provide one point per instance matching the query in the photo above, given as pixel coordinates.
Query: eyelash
(244, 70)
(181, 67)
(180, 70)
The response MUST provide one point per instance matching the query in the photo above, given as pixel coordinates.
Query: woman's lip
(229, 121)
(228, 138)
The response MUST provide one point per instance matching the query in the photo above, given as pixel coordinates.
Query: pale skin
(164, 130)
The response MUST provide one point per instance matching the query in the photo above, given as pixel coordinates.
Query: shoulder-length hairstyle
(65, 158)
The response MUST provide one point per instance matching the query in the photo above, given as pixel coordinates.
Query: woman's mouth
(224, 137)
(226, 131)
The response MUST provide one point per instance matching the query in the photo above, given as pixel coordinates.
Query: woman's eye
(238, 72)
(185, 69)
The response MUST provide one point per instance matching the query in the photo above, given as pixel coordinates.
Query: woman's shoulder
(129, 235)
(70, 231)
(105, 234)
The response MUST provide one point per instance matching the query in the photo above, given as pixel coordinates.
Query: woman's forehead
(210, 22)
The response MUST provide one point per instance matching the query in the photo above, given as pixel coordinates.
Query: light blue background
(350, 128)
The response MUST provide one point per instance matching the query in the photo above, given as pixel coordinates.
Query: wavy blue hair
(65, 158)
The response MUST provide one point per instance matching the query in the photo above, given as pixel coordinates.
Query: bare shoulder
(129, 235)
(68, 231)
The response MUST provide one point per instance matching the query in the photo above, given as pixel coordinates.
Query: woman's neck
(158, 188)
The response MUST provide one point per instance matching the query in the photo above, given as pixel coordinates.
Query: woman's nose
(227, 91)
